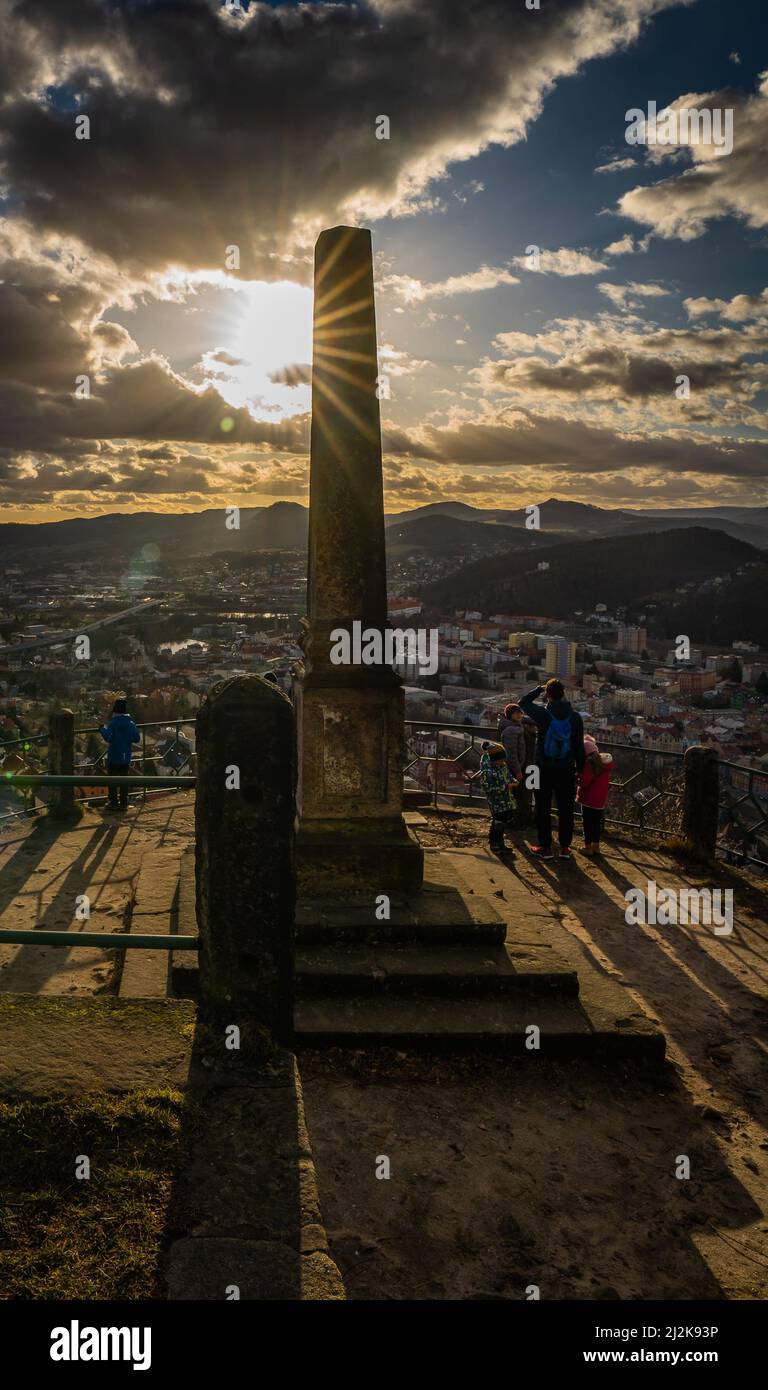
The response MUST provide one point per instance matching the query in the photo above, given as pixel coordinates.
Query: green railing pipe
(87, 779)
(137, 941)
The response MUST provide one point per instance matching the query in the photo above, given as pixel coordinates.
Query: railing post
(61, 760)
(700, 801)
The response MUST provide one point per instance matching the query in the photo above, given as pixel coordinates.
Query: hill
(555, 516)
(283, 526)
(581, 520)
(440, 527)
(647, 569)
(447, 535)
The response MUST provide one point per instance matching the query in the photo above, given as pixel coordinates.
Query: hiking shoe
(566, 852)
(542, 851)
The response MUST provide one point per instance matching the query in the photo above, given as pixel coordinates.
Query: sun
(263, 366)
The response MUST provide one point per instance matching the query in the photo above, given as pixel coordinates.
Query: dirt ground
(503, 1173)
(510, 1173)
(44, 867)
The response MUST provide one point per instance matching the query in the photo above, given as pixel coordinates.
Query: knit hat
(589, 744)
(496, 751)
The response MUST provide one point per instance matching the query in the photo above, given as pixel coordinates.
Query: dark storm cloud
(146, 401)
(297, 374)
(609, 373)
(532, 441)
(209, 130)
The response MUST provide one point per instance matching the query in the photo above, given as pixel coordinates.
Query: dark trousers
(593, 824)
(523, 803)
(561, 785)
(496, 834)
(118, 770)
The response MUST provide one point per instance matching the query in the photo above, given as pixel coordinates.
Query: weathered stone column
(700, 801)
(61, 760)
(244, 854)
(352, 837)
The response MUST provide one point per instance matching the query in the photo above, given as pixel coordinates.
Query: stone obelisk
(352, 839)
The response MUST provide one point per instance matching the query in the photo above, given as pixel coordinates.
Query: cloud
(610, 373)
(577, 447)
(616, 165)
(620, 372)
(296, 374)
(740, 309)
(209, 129)
(715, 186)
(146, 401)
(412, 291)
(566, 261)
(50, 308)
(628, 296)
(623, 247)
(410, 483)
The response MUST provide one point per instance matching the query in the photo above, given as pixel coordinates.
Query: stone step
(342, 928)
(442, 1024)
(441, 914)
(480, 971)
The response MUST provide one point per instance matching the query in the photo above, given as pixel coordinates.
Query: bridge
(60, 639)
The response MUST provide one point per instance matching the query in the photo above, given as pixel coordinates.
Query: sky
(562, 310)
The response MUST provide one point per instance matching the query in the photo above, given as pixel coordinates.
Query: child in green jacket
(498, 784)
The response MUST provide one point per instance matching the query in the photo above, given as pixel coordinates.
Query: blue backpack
(557, 740)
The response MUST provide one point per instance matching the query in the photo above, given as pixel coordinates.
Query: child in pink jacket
(592, 792)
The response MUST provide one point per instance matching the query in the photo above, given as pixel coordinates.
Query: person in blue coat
(119, 734)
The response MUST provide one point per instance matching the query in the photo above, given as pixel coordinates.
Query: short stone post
(244, 851)
(61, 760)
(700, 801)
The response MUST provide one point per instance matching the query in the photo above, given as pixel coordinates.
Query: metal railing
(87, 774)
(744, 809)
(20, 749)
(119, 940)
(647, 789)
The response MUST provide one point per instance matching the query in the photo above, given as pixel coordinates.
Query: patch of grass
(95, 1238)
(174, 1016)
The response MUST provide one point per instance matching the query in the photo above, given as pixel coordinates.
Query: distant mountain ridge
(448, 527)
(560, 517)
(282, 526)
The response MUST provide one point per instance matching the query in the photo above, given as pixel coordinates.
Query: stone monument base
(352, 837)
(338, 858)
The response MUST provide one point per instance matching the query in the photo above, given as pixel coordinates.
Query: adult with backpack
(559, 757)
